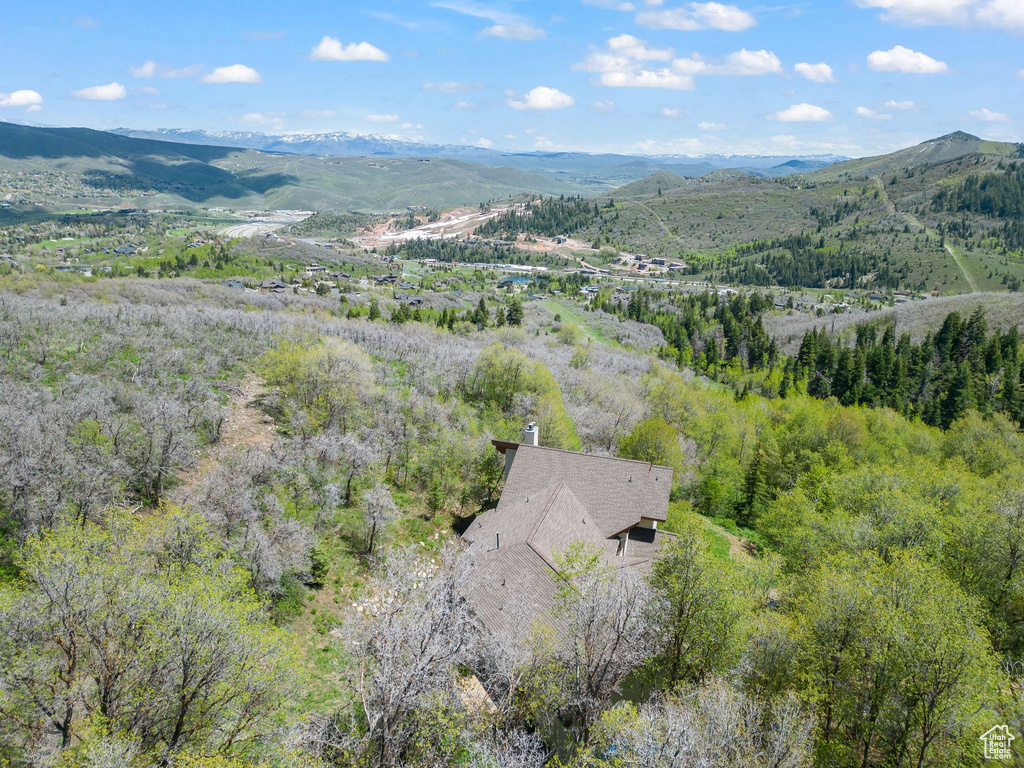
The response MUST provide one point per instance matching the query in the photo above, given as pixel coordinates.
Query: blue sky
(851, 77)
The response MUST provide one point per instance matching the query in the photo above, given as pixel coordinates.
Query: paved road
(264, 224)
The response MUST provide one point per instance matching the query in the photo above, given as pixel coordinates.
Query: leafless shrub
(715, 726)
(408, 639)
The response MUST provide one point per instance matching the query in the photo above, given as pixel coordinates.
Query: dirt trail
(889, 204)
(737, 550)
(963, 268)
(949, 249)
(737, 547)
(245, 426)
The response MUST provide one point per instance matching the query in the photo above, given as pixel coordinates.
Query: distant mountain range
(113, 170)
(602, 171)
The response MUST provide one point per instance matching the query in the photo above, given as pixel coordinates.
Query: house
(552, 499)
(273, 284)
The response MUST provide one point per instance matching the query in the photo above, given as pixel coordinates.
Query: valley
(274, 394)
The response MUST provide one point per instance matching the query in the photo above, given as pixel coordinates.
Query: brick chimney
(531, 435)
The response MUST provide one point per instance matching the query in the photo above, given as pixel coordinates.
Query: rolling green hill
(662, 180)
(94, 167)
(878, 223)
(936, 151)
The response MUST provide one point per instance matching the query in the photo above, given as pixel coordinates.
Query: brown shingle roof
(553, 499)
(618, 493)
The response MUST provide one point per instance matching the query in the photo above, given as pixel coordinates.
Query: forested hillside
(961, 366)
(230, 537)
(943, 217)
(999, 196)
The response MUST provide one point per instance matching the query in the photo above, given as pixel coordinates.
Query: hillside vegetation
(94, 167)
(230, 523)
(939, 218)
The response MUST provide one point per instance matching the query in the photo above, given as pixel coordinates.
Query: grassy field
(571, 313)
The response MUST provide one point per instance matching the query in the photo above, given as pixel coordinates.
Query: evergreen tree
(756, 489)
(514, 315)
(958, 397)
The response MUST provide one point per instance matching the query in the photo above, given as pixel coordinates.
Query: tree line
(549, 216)
(960, 367)
(996, 195)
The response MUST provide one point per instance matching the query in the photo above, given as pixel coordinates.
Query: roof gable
(617, 493)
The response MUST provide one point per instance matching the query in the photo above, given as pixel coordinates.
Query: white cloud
(484, 143)
(152, 69)
(742, 62)
(319, 114)
(922, 11)
(174, 74)
(633, 48)
(706, 126)
(21, 98)
(274, 119)
(504, 24)
(900, 59)
(109, 92)
(235, 73)
(802, 113)
(467, 106)
(673, 113)
(602, 107)
(382, 118)
(147, 90)
(611, 5)
(659, 78)
(870, 114)
(624, 65)
(695, 16)
(541, 97)
(332, 49)
(901, 105)
(146, 70)
(86, 21)
(1002, 14)
(452, 87)
(1020, 75)
(819, 73)
(988, 116)
(521, 31)
(600, 62)
(680, 146)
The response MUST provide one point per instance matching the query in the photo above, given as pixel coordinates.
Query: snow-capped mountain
(581, 168)
(340, 143)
